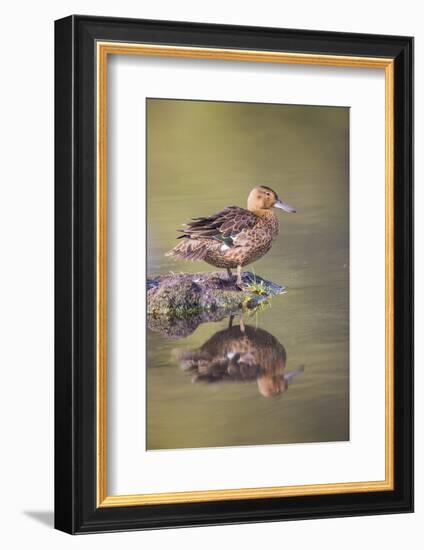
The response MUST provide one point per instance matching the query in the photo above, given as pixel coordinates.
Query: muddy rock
(178, 303)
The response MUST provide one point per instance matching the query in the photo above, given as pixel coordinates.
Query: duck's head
(270, 386)
(274, 382)
(264, 198)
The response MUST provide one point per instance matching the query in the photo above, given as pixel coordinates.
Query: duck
(235, 355)
(235, 236)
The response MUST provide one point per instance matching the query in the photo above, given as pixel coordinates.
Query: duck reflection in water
(238, 354)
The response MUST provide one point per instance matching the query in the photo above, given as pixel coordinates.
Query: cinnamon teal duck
(235, 236)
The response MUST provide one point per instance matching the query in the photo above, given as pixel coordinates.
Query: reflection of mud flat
(236, 355)
(178, 327)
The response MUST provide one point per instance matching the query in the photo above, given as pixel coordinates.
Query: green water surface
(201, 157)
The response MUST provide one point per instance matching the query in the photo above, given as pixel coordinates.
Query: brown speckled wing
(224, 225)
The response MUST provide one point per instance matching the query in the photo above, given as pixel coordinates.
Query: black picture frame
(76, 510)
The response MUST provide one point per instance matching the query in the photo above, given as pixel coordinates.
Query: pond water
(203, 156)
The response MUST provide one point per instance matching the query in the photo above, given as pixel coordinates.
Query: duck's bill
(290, 376)
(284, 206)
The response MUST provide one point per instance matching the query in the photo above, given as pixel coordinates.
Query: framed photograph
(233, 272)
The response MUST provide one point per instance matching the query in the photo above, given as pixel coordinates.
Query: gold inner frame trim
(104, 49)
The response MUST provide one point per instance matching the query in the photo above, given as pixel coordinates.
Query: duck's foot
(234, 279)
(239, 284)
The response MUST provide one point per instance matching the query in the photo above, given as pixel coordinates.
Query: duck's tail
(189, 249)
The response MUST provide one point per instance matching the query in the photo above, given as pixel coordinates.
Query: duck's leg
(230, 321)
(239, 281)
(242, 326)
(230, 275)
